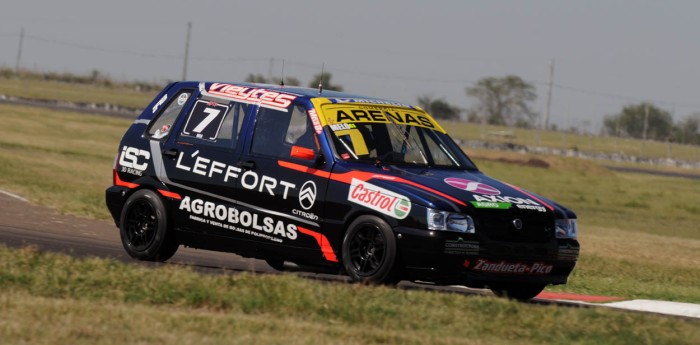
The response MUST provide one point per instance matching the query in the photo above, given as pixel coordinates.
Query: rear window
(160, 128)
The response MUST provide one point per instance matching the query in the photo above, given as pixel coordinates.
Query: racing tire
(277, 264)
(369, 251)
(520, 292)
(144, 228)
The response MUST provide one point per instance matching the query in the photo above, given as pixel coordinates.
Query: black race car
(332, 182)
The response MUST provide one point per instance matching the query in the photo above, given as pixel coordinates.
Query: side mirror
(302, 153)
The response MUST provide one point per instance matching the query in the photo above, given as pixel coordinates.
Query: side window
(214, 124)
(277, 131)
(160, 128)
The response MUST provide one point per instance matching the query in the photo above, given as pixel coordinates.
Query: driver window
(277, 131)
(300, 132)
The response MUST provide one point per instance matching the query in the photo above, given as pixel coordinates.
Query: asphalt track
(24, 224)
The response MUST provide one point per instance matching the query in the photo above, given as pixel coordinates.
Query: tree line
(505, 101)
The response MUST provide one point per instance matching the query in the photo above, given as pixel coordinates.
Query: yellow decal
(331, 114)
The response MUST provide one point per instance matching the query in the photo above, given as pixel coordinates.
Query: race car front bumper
(476, 260)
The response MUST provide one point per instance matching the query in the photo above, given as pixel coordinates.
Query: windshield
(391, 135)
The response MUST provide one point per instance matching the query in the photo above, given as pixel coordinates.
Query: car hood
(465, 191)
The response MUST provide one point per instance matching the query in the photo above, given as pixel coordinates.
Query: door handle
(247, 165)
(171, 153)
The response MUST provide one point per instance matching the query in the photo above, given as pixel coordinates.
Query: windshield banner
(355, 113)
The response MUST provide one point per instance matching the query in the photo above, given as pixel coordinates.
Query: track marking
(661, 307)
(13, 196)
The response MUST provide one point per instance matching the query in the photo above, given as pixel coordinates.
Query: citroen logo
(517, 224)
(307, 195)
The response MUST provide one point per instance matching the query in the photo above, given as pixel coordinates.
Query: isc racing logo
(134, 161)
(379, 199)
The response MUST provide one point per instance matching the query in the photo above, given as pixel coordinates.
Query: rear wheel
(369, 251)
(521, 292)
(275, 263)
(144, 228)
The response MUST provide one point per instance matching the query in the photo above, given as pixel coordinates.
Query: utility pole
(187, 51)
(19, 51)
(549, 94)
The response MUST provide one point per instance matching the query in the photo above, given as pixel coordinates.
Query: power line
(105, 50)
(230, 59)
(372, 75)
(625, 98)
(141, 54)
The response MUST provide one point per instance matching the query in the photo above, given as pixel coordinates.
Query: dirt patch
(532, 162)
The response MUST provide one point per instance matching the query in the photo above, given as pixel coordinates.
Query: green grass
(571, 141)
(51, 90)
(58, 299)
(639, 232)
(59, 159)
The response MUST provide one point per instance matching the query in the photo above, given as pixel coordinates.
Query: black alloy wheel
(369, 251)
(141, 225)
(144, 229)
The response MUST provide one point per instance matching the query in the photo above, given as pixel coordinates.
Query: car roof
(299, 91)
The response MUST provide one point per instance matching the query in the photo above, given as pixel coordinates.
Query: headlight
(448, 221)
(566, 228)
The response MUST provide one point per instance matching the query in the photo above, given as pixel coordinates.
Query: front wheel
(144, 228)
(521, 292)
(369, 251)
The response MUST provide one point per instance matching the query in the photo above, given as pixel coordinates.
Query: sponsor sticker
(134, 161)
(251, 95)
(315, 121)
(399, 116)
(182, 99)
(160, 103)
(307, 215)
(461, 247)
(379, 199)
(249, 179)
(494, 205)
(368, 101)
(472, 186)
(505, 267)
(342, 126)
(487, 196)
(245, 222)
(521, 203)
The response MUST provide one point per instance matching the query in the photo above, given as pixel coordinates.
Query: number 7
(213, 113)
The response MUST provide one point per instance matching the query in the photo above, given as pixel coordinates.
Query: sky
(606, 53)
